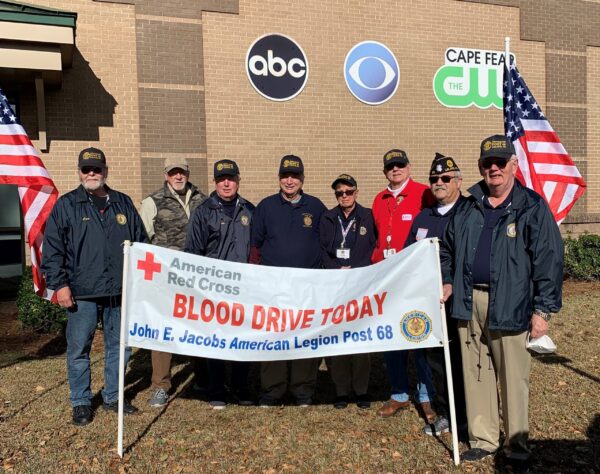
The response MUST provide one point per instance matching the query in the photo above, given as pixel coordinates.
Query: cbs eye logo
(371, 72)
(277, 67)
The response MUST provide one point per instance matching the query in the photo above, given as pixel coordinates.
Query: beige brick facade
(157, 78)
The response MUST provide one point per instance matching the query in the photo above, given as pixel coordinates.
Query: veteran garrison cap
(344, 178)
(92, 157)
(291, 164)
(226, 168)
(496, 146)
(442, 164)
(395, 156)
(173, 163)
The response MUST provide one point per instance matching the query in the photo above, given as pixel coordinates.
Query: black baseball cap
(92, 157)
(346, 179)
(496, 146)
(395, 156)
(226, 168)
(442, 164)
(291, 164)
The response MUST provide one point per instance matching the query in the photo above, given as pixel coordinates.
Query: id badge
(387, 253)
(342, 253)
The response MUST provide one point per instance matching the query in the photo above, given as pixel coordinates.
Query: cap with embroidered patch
(226, 168)
(395, 156)
(291, 164)
(346, 179)
(496, 146)
(442, 164)
(92, 157)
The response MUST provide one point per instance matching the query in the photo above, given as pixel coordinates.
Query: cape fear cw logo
(371, 72)
(277, 67)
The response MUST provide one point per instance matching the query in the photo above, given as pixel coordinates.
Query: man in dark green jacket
(502, 260)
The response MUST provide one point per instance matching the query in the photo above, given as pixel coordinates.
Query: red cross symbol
(149, 266)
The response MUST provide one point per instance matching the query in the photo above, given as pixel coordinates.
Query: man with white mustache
(82, 261)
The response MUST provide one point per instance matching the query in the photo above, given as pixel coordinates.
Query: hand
(539, 326)
(346, 267)
(446, 292)
(65, 298)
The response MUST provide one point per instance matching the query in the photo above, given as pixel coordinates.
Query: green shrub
(38, 313)
(582, 257)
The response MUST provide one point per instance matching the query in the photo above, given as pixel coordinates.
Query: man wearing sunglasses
(166, 213)
(502, 261)
(82, 261)
(445, 181)
(347, 234)
(394, 210)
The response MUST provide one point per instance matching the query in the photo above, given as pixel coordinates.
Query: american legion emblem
(308, 220)
(415, 326)
(121, 219)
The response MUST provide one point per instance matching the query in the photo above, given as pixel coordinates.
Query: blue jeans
(81, 327)
(398, 375)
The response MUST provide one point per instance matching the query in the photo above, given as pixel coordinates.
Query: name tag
(342, 253)
(388, 252)
(421, 233)
(407, 217)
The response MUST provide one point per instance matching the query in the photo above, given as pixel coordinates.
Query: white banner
(186, 304)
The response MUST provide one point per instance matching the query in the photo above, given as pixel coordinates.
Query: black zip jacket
(526, 259)
(212, 233)
(331, 236)
(83, 249)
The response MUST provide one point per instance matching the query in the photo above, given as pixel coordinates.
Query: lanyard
(398, 200)
(346, 230)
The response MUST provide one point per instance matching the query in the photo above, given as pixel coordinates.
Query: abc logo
(277, 67)
(371, 72)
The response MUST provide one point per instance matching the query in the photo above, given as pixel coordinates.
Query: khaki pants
(351, 372)
(303, 378)
(492, 358)
(161, 370)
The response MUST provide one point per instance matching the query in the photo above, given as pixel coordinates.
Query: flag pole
(122, 345)
(449, 381)
(507, 53)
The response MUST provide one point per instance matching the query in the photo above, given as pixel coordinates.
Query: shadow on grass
(56, 346)
(565, 362)
(561, 455)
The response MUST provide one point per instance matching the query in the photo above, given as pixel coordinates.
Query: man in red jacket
(394, 210)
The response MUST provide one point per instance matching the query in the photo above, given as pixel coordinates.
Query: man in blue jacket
(502, 260)
(348, 238)
(220, 228)
(285, 233)
(444, 181)
(82, 261)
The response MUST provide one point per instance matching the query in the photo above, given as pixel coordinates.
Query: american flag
(21, 165)
(544, 164)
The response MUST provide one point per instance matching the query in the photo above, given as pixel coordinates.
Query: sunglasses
(395, 165)
(489, 162)
(445, 179)
(350, 192)
(89, 169)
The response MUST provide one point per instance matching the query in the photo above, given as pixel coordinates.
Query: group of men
(501, 257)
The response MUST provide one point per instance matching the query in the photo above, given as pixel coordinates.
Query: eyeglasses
(349, 192)
(89, 169)
(445, 179)
(489, 162)
(395, 165)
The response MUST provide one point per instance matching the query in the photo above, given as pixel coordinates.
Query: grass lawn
(187, 436)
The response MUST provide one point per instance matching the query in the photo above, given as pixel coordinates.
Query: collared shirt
(481, 263)
(287, 234)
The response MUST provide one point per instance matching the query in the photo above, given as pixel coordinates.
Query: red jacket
(394, 217)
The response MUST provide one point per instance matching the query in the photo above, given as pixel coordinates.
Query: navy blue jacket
(526, 259)
(83, 249)
(364, 238)
(212, 233)
(286, 234)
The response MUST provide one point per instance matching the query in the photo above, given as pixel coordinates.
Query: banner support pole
(126, 247)
(449, 381)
